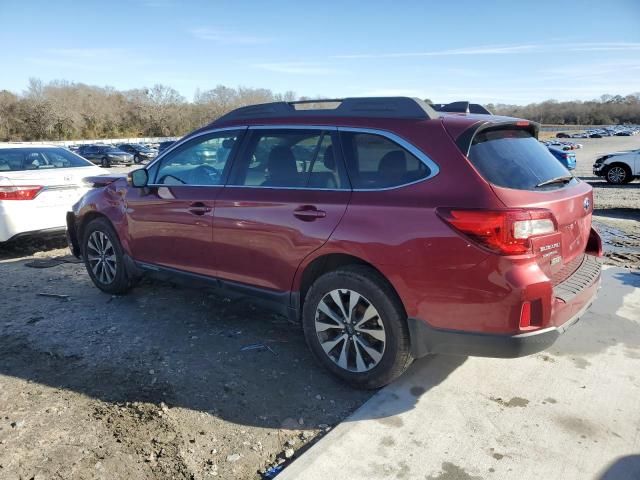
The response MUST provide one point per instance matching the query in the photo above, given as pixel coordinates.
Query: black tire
(105, 163)
(137, 160)
(120, 281)
(613, 176)
(368, 283)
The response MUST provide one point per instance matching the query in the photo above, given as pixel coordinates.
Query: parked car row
(608, 131)
(124, 153)
(491, 253)
(563, 145)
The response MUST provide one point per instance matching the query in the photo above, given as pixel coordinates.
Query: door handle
(308, 213)
(199, 208)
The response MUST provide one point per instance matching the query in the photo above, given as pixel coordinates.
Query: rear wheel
(618, 174)
(356, 328)
(104, 258)
(105, 162)
(137, 159)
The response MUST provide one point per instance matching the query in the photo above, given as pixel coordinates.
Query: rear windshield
(513, 158)
(19, 159)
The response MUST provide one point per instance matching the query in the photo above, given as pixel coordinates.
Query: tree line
(62, 110)
(607, 110)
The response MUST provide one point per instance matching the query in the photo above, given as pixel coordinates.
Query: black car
(162, 146)
(105, 155)
(140, 152)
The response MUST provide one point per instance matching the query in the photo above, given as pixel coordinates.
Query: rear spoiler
(465, 139)
(460, 107)
(102, 180)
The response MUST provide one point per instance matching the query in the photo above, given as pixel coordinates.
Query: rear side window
(19, 159)
(374, 162)
(290, 158)
(513, 158)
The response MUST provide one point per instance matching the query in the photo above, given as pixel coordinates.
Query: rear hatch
(524, 174)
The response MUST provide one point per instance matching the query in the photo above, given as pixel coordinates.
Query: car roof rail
(460, 107)
(377, 107)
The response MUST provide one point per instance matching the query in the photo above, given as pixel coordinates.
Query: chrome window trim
(293, 127)
(415, 151)
(412, 149)
(182, 141)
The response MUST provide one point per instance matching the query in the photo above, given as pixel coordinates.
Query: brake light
(22, 192)
(507, 232)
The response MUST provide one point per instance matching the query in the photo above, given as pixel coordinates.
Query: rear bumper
(576, 294)
(29, 218)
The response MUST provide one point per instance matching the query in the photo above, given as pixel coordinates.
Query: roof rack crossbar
(376, 107)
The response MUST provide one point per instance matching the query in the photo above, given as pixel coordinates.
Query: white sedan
(38, 185)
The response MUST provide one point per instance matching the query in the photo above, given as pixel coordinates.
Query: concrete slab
(572, 412)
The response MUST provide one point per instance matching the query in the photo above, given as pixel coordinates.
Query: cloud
(226, 37)
(506, 50)
(297, 68)
(485, 50)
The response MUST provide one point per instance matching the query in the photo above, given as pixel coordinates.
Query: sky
(487, 52)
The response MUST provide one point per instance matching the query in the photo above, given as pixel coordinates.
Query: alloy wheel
(350, 330)
(102, 257)
(616, 174)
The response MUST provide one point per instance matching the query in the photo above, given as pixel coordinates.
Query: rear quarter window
(375, 162)
(513, 158)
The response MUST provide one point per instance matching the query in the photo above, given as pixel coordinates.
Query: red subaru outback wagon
(389, 228)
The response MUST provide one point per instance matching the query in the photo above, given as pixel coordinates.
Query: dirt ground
(173, 382)
(146, 386)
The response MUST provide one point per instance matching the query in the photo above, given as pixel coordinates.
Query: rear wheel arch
(331, 262)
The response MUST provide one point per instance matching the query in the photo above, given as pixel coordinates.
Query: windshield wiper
(551, 181)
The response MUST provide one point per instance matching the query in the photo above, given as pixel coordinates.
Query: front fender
(109, 202)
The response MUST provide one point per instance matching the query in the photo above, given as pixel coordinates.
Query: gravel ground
(616, 208)
(142, 386)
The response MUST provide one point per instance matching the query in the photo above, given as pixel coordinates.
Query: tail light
(507, 232)
(21, 192)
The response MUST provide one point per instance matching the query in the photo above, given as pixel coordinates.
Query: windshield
(513, 158)
(20, 159)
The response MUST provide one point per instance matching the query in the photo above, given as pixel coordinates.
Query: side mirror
(138, 178)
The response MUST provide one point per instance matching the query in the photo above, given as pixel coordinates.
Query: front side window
(290, 159)
(374, 161)
(202, 161)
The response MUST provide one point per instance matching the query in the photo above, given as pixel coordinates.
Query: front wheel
(618, 174)
(104, 258)
(137, 160)
(356, 327)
